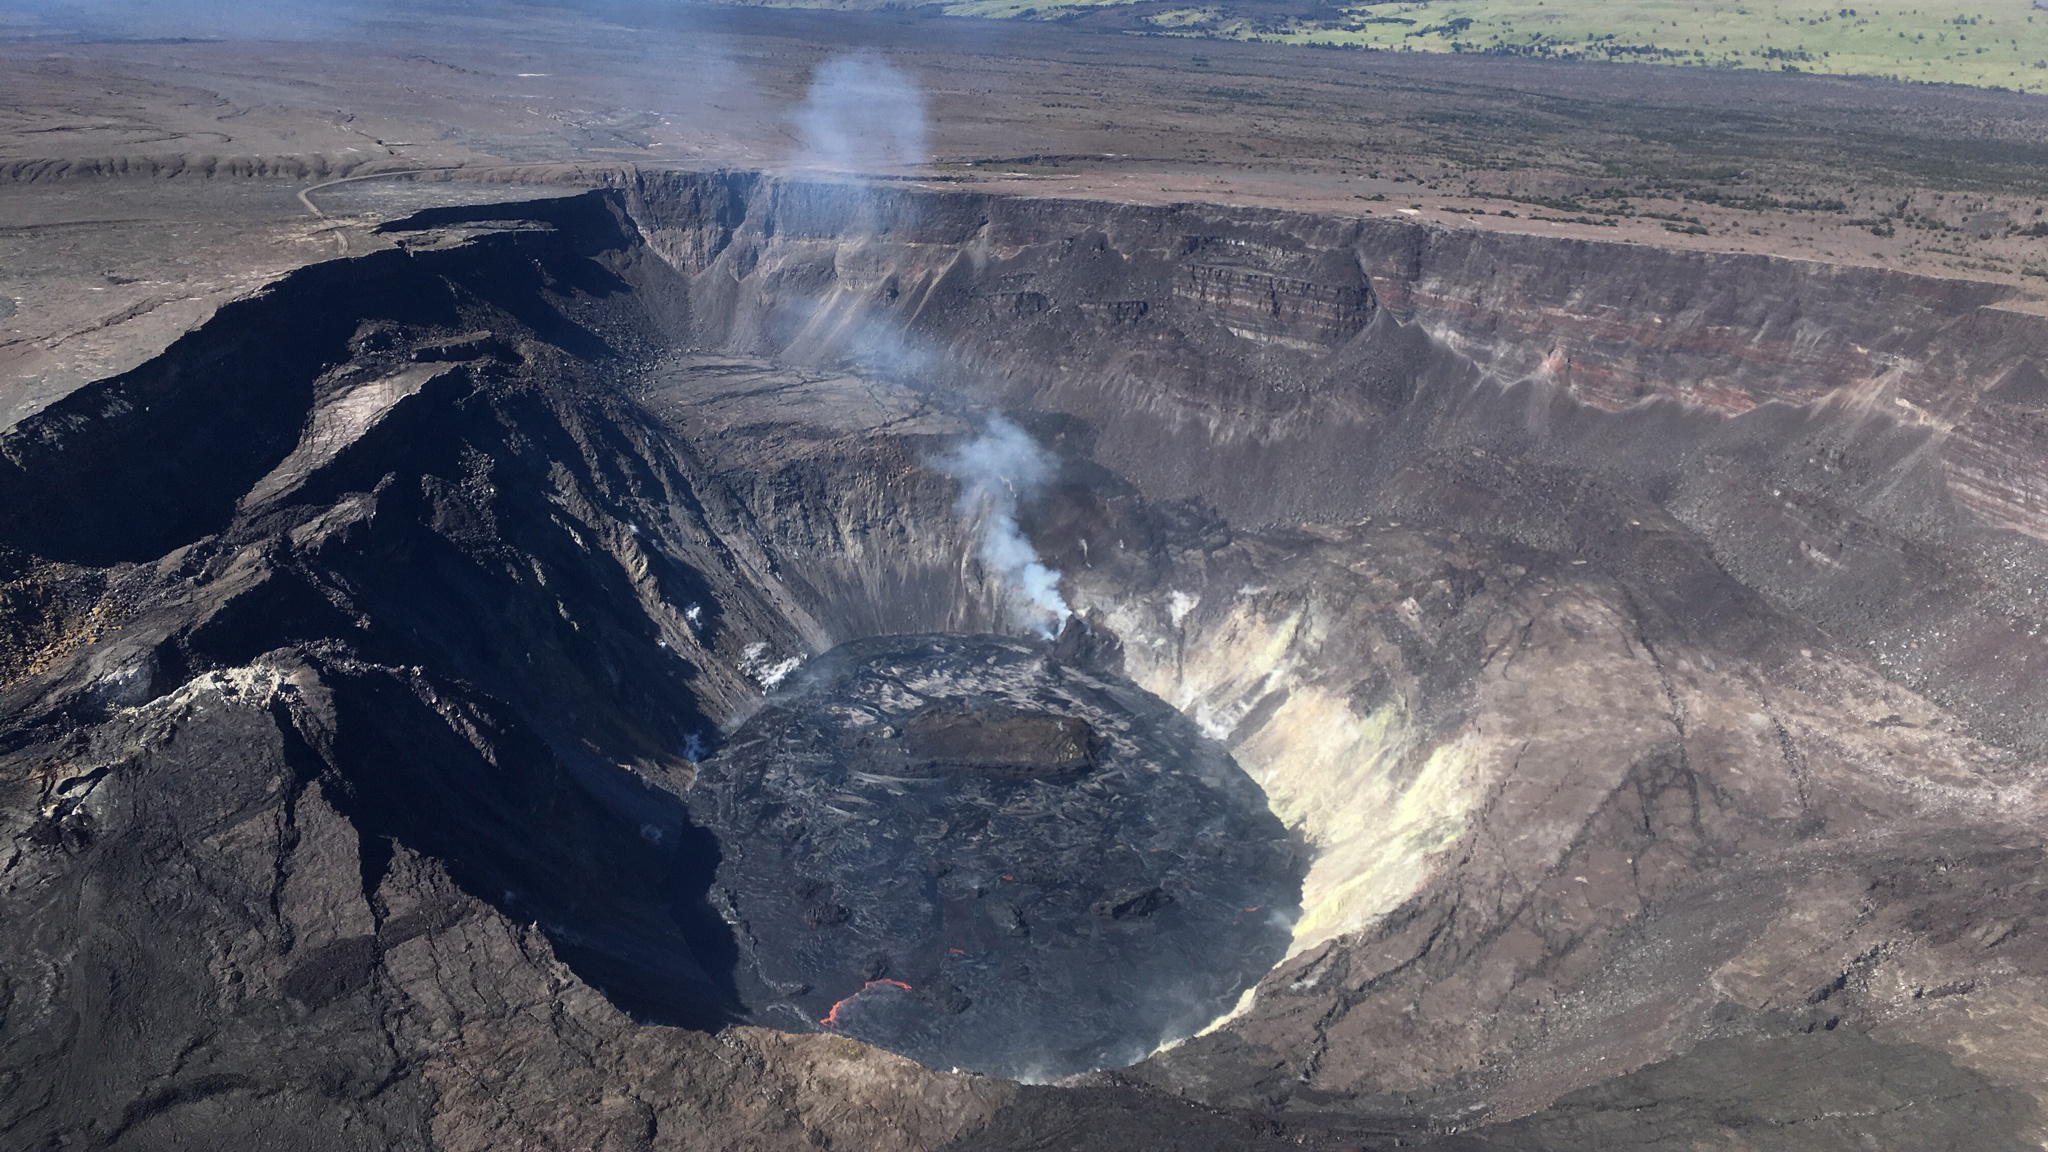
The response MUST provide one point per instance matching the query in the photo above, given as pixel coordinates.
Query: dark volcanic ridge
(962, 850)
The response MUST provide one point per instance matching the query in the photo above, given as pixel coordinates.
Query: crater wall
(1534, 579)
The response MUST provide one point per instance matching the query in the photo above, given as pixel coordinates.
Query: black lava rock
(968, 851)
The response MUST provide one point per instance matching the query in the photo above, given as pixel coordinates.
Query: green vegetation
(1993, 45)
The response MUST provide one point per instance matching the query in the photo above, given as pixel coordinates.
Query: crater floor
(965, 850)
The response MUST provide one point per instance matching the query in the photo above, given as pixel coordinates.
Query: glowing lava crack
(831, 1019)
(965, 850)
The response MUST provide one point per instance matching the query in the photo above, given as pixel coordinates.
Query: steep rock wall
(1875, 421)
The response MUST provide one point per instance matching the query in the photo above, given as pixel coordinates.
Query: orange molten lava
(831, 1019)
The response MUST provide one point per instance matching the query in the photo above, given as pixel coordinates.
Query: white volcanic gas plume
(997, 469)
(862, 114)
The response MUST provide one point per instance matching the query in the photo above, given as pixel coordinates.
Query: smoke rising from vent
(997, 469)
(861, 114)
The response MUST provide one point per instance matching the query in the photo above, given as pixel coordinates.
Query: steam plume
(862, 113)
(997, 469)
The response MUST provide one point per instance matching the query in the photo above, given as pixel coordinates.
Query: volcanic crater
(1541, 710)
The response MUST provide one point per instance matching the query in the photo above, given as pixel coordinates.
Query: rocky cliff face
(377, 717)
(1642, 642)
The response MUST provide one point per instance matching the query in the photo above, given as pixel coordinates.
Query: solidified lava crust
(964, 850)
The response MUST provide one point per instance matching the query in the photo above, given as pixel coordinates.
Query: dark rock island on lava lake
(962, 849)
